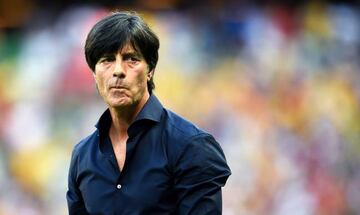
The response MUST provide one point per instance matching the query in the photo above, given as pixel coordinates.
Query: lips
(117, 84)
(117, 87)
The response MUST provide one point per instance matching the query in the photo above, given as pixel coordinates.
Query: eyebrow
(107, 55)
(131, 54)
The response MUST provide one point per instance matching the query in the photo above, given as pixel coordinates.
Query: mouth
(118, 87)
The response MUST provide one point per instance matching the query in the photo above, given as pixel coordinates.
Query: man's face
(121, 77)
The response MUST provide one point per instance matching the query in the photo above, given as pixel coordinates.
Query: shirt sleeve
(74, 199)
(200, 172)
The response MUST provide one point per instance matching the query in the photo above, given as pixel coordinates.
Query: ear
(150, 75)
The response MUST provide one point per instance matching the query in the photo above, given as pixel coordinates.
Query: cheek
(100, 84)
(142, 80)
(140, 77)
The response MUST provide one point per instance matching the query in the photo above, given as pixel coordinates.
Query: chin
(120, 103)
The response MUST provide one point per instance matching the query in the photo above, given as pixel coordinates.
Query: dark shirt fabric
(171, 167)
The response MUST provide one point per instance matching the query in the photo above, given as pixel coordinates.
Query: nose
(119, 70)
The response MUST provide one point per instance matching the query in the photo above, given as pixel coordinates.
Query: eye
(106, 59)
(132, 60)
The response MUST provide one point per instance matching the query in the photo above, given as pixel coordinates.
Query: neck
(122, 117)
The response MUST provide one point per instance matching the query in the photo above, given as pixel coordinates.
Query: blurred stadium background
(276, 82)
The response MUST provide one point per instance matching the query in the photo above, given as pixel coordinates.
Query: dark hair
(114, 31)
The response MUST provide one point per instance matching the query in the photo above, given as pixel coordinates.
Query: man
(142, 158)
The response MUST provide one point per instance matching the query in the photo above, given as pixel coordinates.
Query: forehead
(129, 48)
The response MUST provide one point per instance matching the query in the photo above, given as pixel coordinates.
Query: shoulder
(180, 128)
(78, 152)
(186, 139)
(195, 156)
(85, 144)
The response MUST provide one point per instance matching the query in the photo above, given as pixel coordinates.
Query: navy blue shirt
(171, 167)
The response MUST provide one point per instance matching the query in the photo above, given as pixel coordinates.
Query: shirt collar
(151, 111)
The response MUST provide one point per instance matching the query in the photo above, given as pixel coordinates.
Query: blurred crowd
(277, 85)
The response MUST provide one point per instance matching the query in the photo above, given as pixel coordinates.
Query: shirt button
(118, 186)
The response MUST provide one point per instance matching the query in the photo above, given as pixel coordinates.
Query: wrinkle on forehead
(128, 47)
